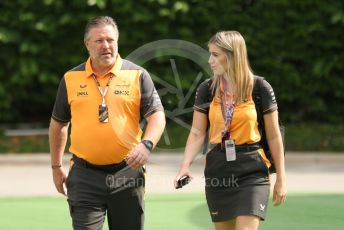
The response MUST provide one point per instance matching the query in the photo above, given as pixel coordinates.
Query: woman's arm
(194, 143)
(274, 138)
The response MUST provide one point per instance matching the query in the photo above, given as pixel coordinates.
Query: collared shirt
(131, 97)
(244, 125)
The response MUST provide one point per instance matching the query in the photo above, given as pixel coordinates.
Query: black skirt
(236, 188)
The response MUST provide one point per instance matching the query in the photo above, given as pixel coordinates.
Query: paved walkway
(30, 174)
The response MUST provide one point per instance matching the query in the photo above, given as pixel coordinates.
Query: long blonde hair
(238, 70)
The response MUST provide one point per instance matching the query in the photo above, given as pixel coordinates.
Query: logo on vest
(170, 88)
(122, 92)
(124, 85)
(82, 94)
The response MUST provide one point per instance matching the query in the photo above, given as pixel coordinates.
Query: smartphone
(184, 180)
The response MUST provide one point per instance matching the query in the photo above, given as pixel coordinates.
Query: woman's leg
(247, 223)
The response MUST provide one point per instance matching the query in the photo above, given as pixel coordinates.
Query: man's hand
(60, 178)
(138, 156)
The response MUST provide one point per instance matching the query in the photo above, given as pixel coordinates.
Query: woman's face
(217, 59)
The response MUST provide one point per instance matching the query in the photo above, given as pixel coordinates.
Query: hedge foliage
(296, 45)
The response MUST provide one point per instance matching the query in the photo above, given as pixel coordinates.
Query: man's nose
(106, 44)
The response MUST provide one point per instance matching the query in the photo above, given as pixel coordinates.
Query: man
(104, 100)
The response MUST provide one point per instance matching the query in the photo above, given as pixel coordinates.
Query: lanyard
(227, 112)
(100, 88)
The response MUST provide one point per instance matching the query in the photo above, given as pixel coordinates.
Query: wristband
(148, 144)
(56, 166)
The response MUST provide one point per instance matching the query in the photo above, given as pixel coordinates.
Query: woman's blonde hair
(238, 70)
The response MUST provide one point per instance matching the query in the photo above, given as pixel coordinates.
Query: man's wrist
(186, 164)
(148, 144)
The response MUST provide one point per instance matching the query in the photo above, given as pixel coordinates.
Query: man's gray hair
(100, 21)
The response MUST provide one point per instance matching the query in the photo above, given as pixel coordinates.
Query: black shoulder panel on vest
(128, 65)
(80, 67)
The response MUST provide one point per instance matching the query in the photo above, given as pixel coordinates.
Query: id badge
(230, 150)
(103, 114)
(225, 136)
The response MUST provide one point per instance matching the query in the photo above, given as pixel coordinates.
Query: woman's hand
(184, 171)
(279, 192)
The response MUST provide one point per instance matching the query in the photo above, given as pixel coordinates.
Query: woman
(236, 171)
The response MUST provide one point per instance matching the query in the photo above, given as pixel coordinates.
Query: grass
(183, 211)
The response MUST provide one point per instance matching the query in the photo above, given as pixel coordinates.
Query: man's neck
(101, 70)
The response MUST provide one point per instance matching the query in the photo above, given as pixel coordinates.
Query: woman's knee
(247, 222)
(225, 225)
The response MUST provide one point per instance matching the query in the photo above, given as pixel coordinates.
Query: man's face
(102, 46)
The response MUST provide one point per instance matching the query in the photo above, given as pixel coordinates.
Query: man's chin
(108, 61)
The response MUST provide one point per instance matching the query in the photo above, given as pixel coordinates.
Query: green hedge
(301, 137)
(296, 45)
(315, 137)
(298, 137)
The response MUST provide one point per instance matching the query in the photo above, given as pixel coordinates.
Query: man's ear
(86, 44)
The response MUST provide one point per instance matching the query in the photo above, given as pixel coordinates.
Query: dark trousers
(95, 191)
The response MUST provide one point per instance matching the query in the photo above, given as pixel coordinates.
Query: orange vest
(104, 143)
